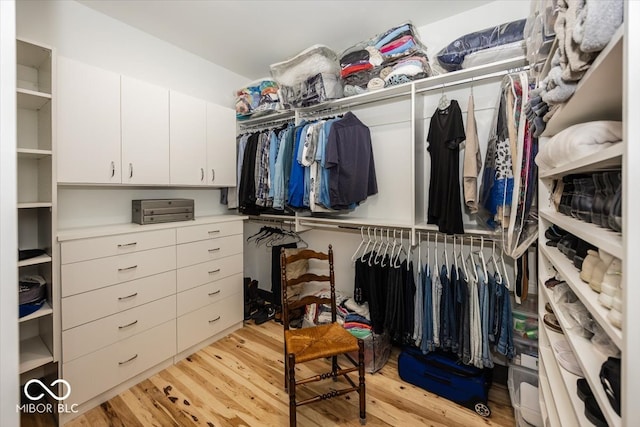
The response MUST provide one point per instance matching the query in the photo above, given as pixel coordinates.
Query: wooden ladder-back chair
(318, 342)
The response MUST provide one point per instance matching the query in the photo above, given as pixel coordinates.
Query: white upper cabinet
(221, 153)
(188, 139)
(88, 124)
(145, 133)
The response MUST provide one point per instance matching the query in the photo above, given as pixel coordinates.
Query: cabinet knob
(202, 174)
(130, 170)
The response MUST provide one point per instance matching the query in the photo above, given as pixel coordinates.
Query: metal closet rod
(440, 86)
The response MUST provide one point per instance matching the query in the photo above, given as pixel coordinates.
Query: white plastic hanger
(419, 253)
(364, 252)
(446, 256)
(473, 262)
(505, 276)
(455, 258)
(396, 261)
(355, 254)
(373, 248)
(428, 250)
(494, 262)
(386, 249)
(481, 259)
(436, 269)
(465, 270)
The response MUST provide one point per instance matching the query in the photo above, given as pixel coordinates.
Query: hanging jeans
(427, 330)
(484, 313)
(436, 290)
(505, 343)
(460, 304)
(465, 319)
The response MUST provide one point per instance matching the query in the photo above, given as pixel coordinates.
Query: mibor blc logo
(35, 390)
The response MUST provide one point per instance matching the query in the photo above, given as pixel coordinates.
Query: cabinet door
(88, 122)
(221, 146)
(188, 139)
(145, 133)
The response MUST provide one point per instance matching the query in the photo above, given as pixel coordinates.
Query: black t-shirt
(446, 132)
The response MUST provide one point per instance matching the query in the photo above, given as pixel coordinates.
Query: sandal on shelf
(552, 322)
(548, 308)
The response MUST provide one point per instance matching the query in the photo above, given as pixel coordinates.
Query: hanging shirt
(296, 180)
(472, 161)
(446, 132)
(349, 157)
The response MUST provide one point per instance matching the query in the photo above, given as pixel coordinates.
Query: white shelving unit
(401, 112)
(603, 94)
(39, 331)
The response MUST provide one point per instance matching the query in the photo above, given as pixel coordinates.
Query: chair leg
(292, 390)
(334, 367)
(362, 391)
(286, 371)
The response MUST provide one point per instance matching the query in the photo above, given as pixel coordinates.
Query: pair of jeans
(484, 313)
(427, 344)
(505, 342)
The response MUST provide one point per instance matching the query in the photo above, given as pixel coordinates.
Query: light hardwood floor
(238, 381)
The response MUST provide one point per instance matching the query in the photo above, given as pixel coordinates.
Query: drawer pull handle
(201, 174)
(214, 250)
(113, 169)
(126, 245)
(214, 293)
(214, 320)
(128, 268)
(126, 326)
(214, 231)
(127, 297)
(213, 175)
(217, 270)
(128, 360)
(130, 170)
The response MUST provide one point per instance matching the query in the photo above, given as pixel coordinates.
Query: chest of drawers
(134, 296)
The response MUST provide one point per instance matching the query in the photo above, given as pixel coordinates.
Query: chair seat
(319, 341)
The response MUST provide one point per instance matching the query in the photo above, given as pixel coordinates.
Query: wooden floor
(238, 381)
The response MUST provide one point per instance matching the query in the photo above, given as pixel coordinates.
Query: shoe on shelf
(593, 413)
(552, 322)
(588, 264)
(615, 317)
(584, 391)
(613, 275)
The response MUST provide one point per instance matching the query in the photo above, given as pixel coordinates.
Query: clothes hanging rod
(440, 86)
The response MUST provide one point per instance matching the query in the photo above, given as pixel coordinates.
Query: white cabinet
(122, 304)
(188, 139)
(145, 133)
(221, 155)
(88, 124)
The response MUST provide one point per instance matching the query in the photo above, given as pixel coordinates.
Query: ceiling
(245, 36)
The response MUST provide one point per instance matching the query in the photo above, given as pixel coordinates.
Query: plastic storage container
(526, 353)
(523, 390)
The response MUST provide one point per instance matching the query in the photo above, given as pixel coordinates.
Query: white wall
(9, 393)
(81, 33)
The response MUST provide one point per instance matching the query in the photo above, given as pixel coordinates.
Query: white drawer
(94, 274)
(88, 306)
(97, 372)
(207, 250)
(200, 296)
(95, 335)
(100, 247)
(207, 321)
(199, 274)
(208, 231)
